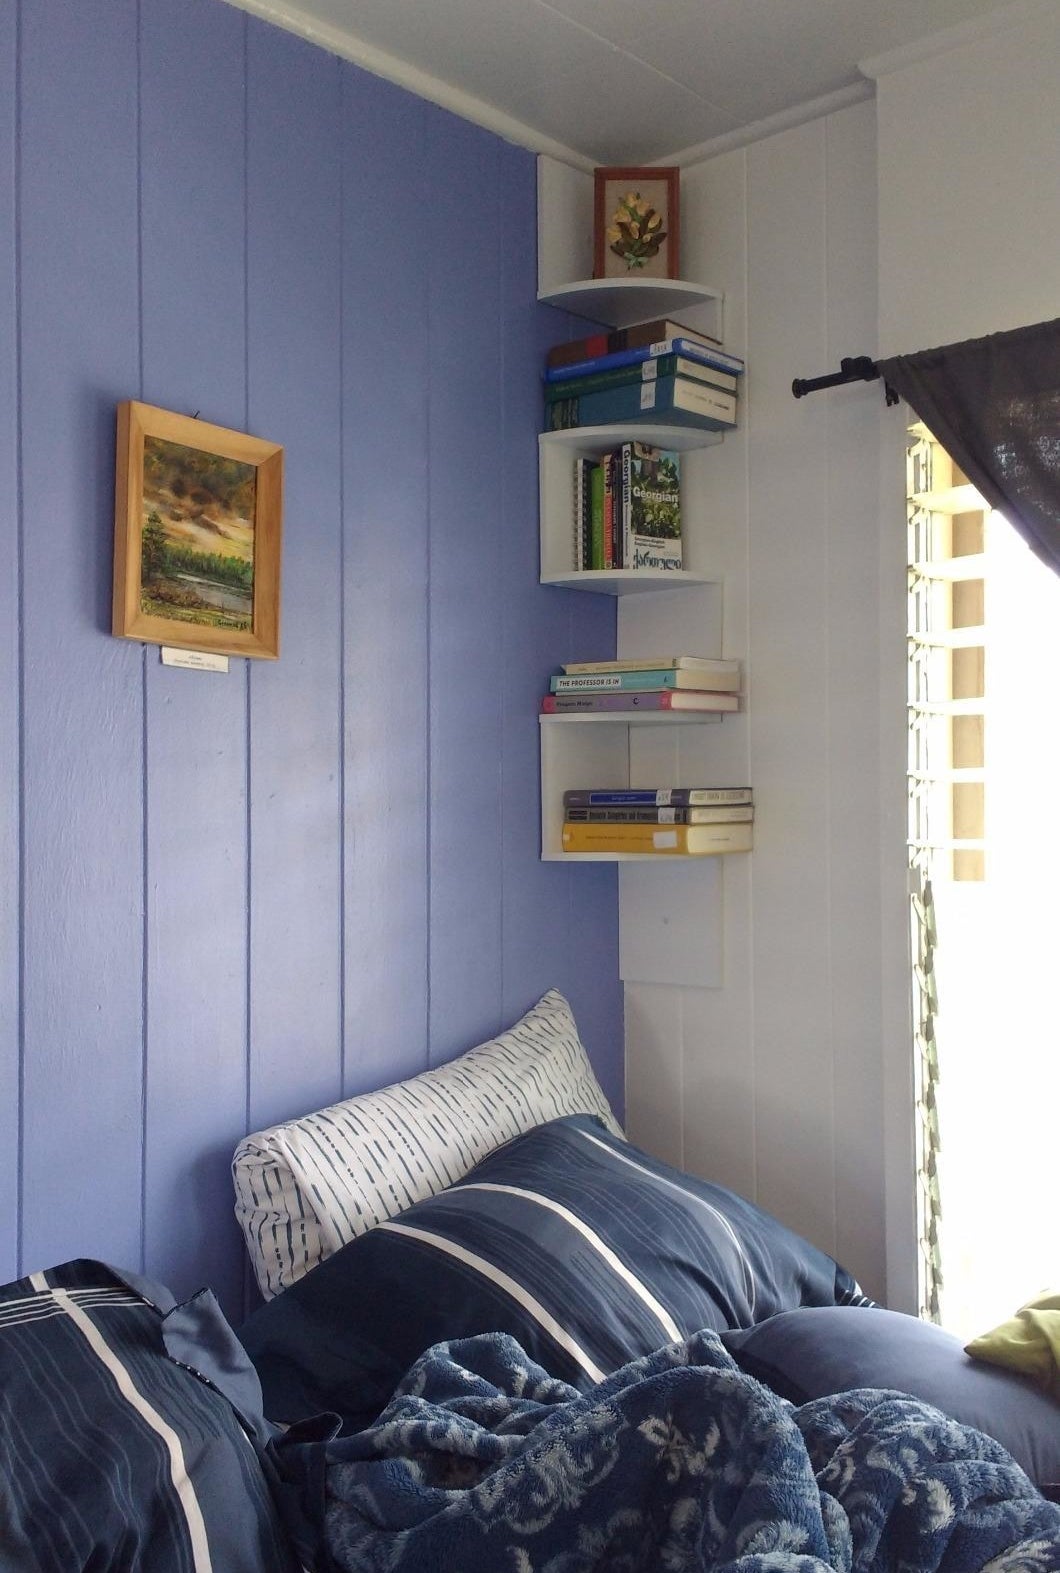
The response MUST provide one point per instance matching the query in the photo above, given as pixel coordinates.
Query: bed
(496, 1336)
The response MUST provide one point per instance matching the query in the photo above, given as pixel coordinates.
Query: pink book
(641, 699)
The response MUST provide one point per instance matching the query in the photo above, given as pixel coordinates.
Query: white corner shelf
(587, 749)
(582, 749)
(627, 581)
(623, 301)
(597, 439)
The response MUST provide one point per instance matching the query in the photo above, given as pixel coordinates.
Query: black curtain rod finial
(853, 368)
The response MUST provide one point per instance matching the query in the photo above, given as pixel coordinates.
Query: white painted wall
(977, 131)
(767, 1075)
(786, 1073)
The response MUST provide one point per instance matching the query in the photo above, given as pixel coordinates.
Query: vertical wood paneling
(10, 1155)
(467, 550)
(384, 419)
(655, 1094)
(853, 426)
(535, 620)
(193, 203)
(704, 1048)
(226, 892)
(780, 1076)
(587, 969)
(958, 125)
(553, 919)
(789, 723)
(720, 1077)
(589, 978)
(82, 720)
(294, 360)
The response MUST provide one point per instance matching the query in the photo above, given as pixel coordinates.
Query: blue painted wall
(228, 899)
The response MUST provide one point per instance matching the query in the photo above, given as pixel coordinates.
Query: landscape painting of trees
(197, 539)
(197, 529)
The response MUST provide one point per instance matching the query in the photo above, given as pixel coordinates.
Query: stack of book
(669, 682)
(627, 508)
(662, 372)
(681, 821)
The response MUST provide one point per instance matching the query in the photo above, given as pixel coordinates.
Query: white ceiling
(624, 81)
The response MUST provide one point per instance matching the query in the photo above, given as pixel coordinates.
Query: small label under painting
(198, 660)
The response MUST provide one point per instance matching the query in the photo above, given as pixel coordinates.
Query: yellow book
(680, 840)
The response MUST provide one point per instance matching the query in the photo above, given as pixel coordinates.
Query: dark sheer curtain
(994, 405)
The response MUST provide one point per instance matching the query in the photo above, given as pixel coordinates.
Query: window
(984, 760)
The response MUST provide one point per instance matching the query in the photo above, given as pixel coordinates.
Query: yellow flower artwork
(635, 232)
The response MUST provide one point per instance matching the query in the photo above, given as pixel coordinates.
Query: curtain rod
(854, 368)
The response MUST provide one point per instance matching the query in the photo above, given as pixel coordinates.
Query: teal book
(654, 678)
(681, 401)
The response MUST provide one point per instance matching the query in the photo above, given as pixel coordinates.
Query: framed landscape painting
(197, 526)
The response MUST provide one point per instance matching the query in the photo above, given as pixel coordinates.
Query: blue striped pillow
(113, 1454)
(307, 1187)
(585, 1249)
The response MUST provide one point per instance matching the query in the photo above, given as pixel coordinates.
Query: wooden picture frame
(197, 530)
(636, 213)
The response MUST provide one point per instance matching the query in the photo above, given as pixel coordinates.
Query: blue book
(682, 401)
(706, 354)
(658, 797)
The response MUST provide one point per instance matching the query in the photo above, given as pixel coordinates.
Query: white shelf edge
(635, 857)
(621, 302)
(628, 581)
(682, 439)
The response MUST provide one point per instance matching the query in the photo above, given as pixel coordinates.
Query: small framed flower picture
(635, 223)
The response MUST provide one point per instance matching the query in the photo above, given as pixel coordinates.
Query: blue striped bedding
(306, 1187)
(584, 1249)
(118, 1452)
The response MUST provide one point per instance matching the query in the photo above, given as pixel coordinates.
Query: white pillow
(305, 1188)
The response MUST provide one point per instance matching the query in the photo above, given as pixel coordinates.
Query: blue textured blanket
(482, 1463)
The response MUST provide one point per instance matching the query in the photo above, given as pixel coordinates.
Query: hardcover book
(633, 337)
(611, 554)
(647, 371)
(583, 512)
(630, 681)
(708, 354)
(716, 674)
(678, 840)
(596, 516)
(699, 699)
(718, 814)
(661, 797)
(680, 400)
